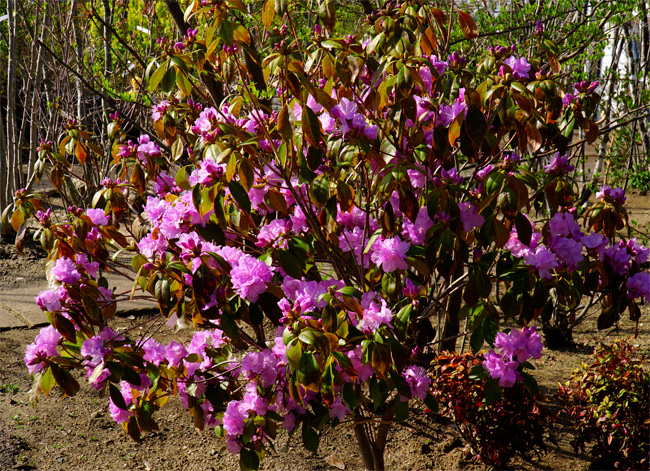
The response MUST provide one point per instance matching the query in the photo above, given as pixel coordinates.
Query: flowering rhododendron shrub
(327, 226)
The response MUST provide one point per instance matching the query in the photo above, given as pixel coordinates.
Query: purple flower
(611, 195)
(390, 254)
(375, 314)
(154, 352)
(119, 415)
(175, 354)
(567, 99)
(543, 260)
(48, 301)
(416, 231)
(618, 258)
(91, 268)
(159, 110)
(559, 165)
(564, 224)
(261, 364)
(65, 271)
(469, 216)
(250, 277)
(638, 286)
(639, 252)
(339, 410)
(595, 242)
(44, 346)
(410, 289)
(97, 216)
(234, 419)
(498, 368)
(520, 67)
(418, 380)
(208, 173)
(274, 234)
(567, 251)
(519, 345)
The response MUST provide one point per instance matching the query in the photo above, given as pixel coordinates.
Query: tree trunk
(372, 451)
(451, 328)
(8, 182)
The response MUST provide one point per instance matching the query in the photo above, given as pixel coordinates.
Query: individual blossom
(505, 371)
(338, 410)
(147, 148)
(175, 353)
(640, 253)
(638, 286)
(543, 260)
(520, 66)
(375, 314)
(564, 224)
(618, 258)
(559, 165)
(274, 234)
(611, 195)
(91, 268)
(120, 415)
(416, 231)
(48, 301)
(568, 251)
(390, 254)
(154, 352)
(65, 271)
(159, 110)
(234, 418)
(97, 216)
(250, 277)
(260, 364)
(43, 347)
(410, 289)
(418, 380)
(469, 216)
(595, 243)
(519, 345)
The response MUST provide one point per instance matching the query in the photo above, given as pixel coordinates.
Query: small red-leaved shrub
(495, 423)
(608, 402)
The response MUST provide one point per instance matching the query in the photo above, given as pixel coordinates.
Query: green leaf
(350, 397)
(168, 81)
(401, 410)
(530, 383)
(432, 403)
(478, 373)
(268, 13)
(248, 459)
(225, 31)
(492, 390)
(47, 381)
(65, 380)
(308, 371)
(310, 126)
(157, 76)
(117, 398)
(290, 264)
(239, 194)
(476, 339)
(310, 437)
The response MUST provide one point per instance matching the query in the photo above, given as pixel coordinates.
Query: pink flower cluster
(516, 347)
